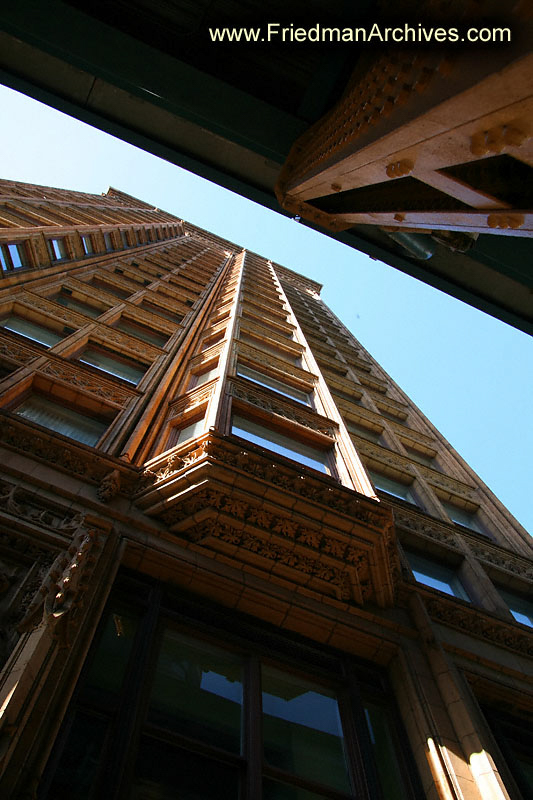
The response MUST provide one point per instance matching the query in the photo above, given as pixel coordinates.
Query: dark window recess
(166, 708)
(514, 736)
(65, 298)
(502, 176)
(404, 194)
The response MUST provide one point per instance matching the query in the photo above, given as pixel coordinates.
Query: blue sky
(470, 374)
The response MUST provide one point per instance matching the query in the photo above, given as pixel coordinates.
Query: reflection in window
(31, 330)
(271, 383)
(129, 371)
(302, 730)
(13, 256)
(87, 244)
(520, 607)
(57, 249)
(197, 688)
(281, 444)
(392, 487)
(61, 419)
(462, 517)
(65, 298)
(437, 576)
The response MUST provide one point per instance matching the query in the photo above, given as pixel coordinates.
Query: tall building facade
(236, 560)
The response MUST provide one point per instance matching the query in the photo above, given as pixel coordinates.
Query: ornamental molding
(262, 399)
(410, 433)
(193, 399)
(206, 355)
(76, 376)
(447, 483)
(283, 367)
(476, 623)
(71, 318)
(212, 494)
(62, 592)
(247, 325)
(498, 557)
(22, 503)
(426, 527)
(20, 353)
(128, 344)
(385, 456)
(63, 455)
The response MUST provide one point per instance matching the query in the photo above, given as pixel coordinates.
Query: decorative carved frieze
(350, 556)
(206, 355)
(69, 457)
(250, 326)
(385, 456)
(262, 399)
(278, 364)
(447, 483)
(421, 525)
(19, 353)
(64, 586)
(54, 310)
(76, 376)
(480, 625)
(127, 344)
(498, 557)
(193, 399)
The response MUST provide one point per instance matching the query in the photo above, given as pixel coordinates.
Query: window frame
(58, 245)
(113, 355)
(7, 264)
(259, 370)
(159, 609)
(105, 419)
(308, 443)
(441, 572)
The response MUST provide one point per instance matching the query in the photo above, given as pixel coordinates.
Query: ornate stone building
(236, 560)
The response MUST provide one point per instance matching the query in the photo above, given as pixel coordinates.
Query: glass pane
(77, 305)
(167, 773)
(17, 255)
(390, 486)
(437, 576)
(31, 330)
(190, 431)
(462, 517)
(272, 790)
(77, 769)
(520, 608)
(279, 443)
(272, 383)
(147, 335)
(128, 372)
(197, 691)
(61, 419)
(113, 651)
(302, 729)
(387, 765)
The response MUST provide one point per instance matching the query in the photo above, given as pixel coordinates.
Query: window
(13, 255)
(59, 418)
(520, 607)
(188, 431)
(366, 433)
(57, 249)
(163, 312)
(219, 721)
(271, 348)
(65, 298)
(31, 330)
(462, 517)
(113, 364)
(281, 444)
(200, 378)
(87, 244)
(271, 383)
(108, 241)
(428, 459)
(392, 487)
(141, 332)
(124, 238)
(437, 576)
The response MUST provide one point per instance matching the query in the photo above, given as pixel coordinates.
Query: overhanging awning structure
(149, 73)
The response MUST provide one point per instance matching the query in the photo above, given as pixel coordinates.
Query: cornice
(311, 531)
